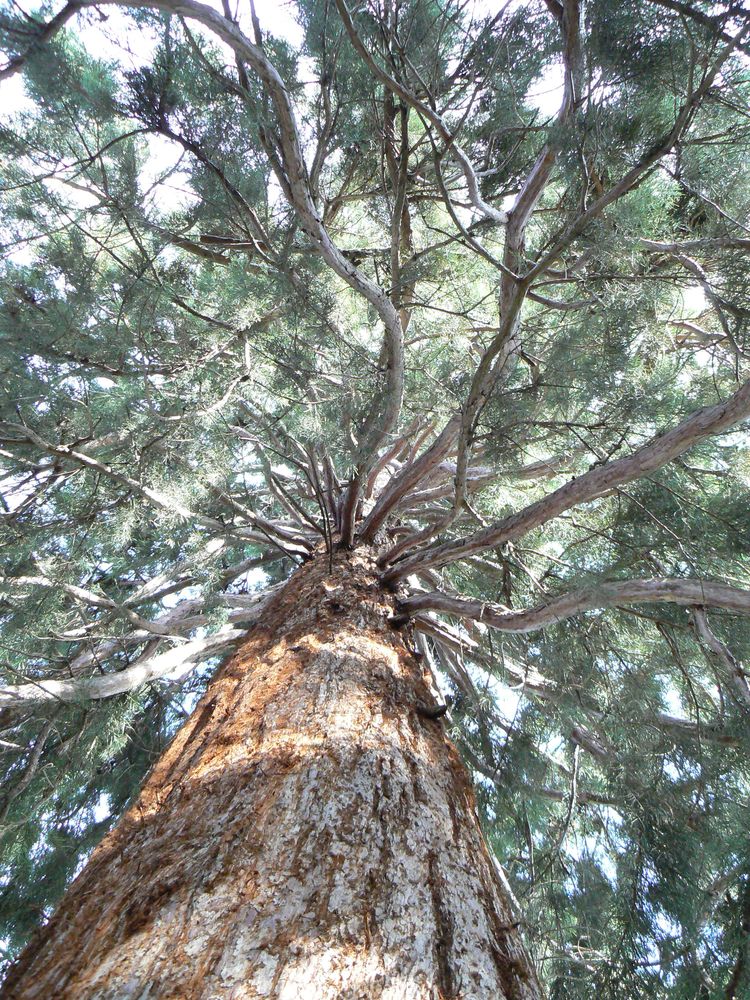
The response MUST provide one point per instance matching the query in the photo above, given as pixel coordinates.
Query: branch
(723, 654)
(46, 32)
(410, 477)
(524, 674)
(429, 113)
(546, 693)
(83, 596)
(185, 616)
(712, 243)
(146, 669)
(295, 183)
(712, 22)
(31, 767)
(299, 545)
(692, 593)
(638, 172)
(496, 364)
(657, 452)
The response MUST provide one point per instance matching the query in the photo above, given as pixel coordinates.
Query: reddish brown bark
(310, 832)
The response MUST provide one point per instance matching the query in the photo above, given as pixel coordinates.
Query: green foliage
(164, 314)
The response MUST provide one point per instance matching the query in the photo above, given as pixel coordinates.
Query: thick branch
(147, 668)
(296, 185)
(723, 655)
(693, 593)
(46, 32)
(713, 22)
(496, 364)
(409, 478)
(653, 455)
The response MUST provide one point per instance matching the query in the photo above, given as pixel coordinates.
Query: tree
(356, 356)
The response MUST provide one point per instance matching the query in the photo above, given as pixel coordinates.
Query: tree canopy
(465, 282)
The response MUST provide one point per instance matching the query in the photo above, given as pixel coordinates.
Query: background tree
(380, 292)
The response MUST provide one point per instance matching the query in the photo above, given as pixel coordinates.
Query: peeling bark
(310, 832)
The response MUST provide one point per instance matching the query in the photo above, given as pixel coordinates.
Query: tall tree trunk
(310, 832)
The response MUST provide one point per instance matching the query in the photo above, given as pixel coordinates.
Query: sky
(113, 37)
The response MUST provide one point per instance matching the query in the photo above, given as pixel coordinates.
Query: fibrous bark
(310, 832)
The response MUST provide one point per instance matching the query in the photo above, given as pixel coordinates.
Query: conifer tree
(377, 390)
